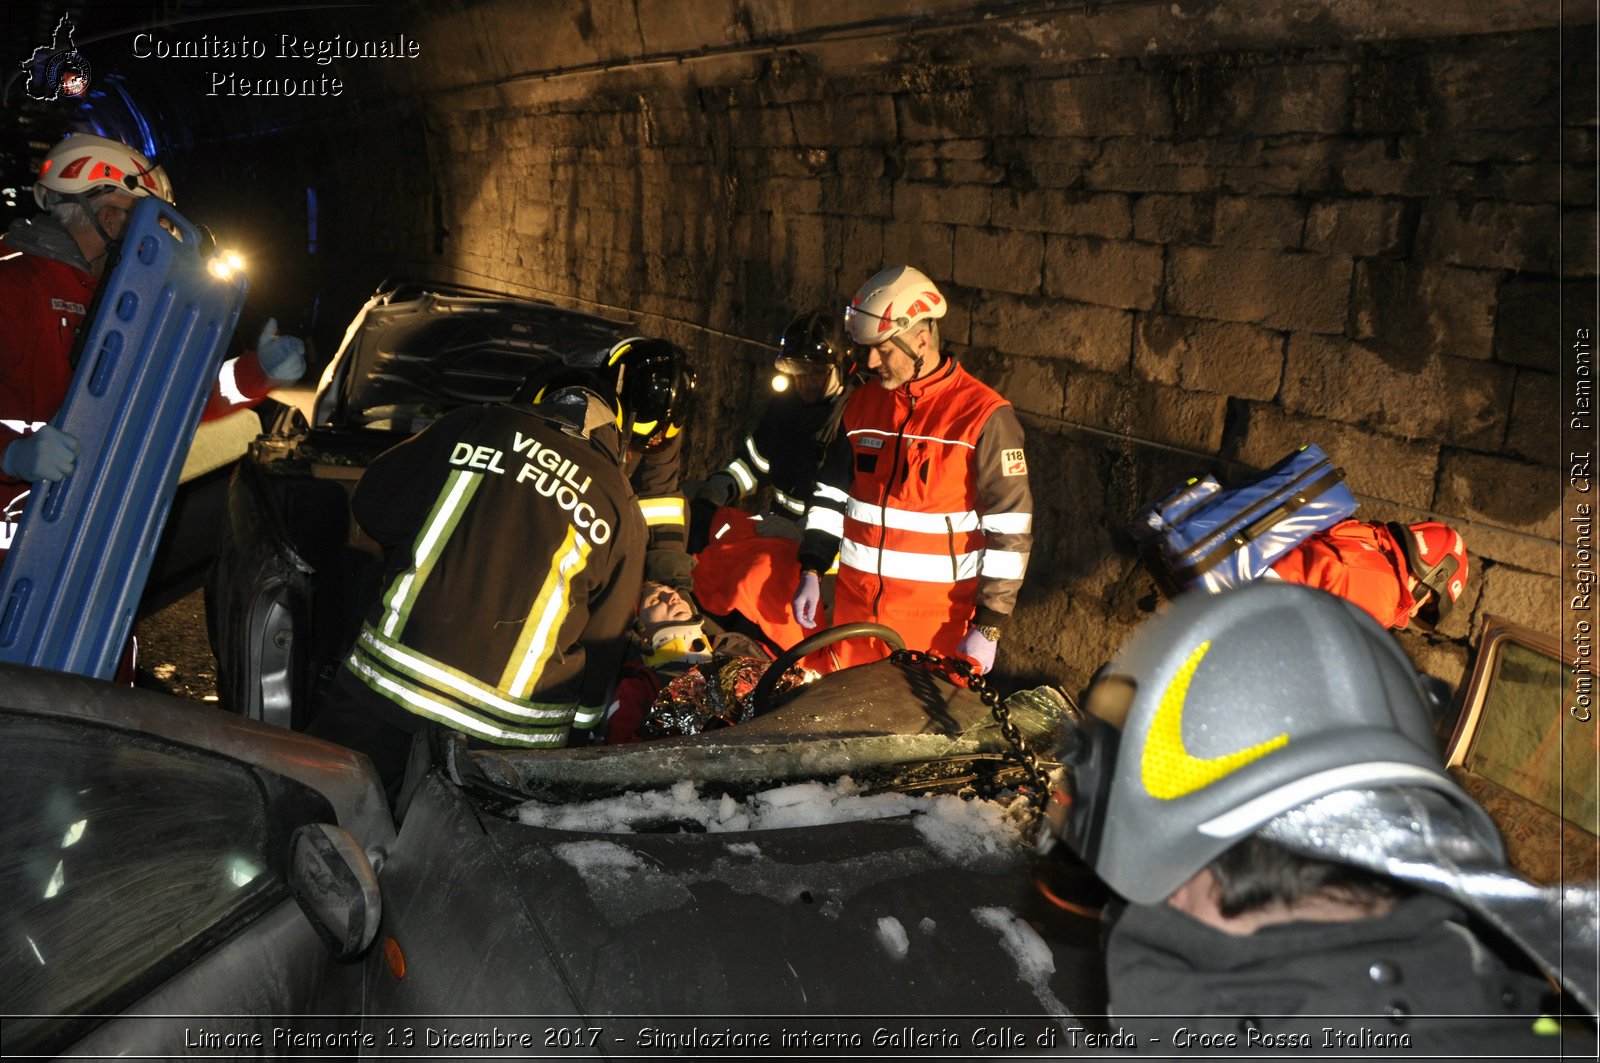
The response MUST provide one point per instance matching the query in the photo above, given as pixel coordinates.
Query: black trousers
(351, 715)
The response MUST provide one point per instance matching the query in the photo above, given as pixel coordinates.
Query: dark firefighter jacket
(518, 556)
(1414, 983)
(654, 472)
(785, 449)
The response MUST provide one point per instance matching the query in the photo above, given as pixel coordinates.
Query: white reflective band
(229, 384)
(8, 532)
(586, 718)
(662, 510)
(741, 475)
(454, 716)
(8, 258)
(23, 426)
(911, 520)
(445, 679)
(931, 439)
(829, 493)
(906, 564)
(1255, 812)
(825, 520)
(755, 455)
(1003, 564)
(1007, 523)
(793, 505)
(405, 588)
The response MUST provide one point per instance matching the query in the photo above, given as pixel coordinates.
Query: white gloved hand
(48, 454)
(980, 648)
(806, 598)
(283, 358)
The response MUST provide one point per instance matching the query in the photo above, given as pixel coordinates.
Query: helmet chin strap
(108, 243)
(916, 359)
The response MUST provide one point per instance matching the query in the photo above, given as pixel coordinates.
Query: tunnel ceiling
(203, 73)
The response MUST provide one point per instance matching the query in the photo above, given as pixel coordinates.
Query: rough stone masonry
(1180, 237)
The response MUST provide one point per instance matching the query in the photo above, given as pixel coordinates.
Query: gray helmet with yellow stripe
(1238, 707)
(1282, 711)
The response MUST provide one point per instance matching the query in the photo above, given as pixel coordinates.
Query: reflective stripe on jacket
(654, 473)
(783, 450)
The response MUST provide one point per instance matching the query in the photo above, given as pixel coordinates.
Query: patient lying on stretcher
(683, 679)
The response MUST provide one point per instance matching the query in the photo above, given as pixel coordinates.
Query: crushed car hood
(929, 910)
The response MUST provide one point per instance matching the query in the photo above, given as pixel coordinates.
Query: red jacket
(43, 305)
(1358, 561)
(741, 571)
(925, 496)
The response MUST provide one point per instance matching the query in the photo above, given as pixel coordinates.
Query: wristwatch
(988, 631)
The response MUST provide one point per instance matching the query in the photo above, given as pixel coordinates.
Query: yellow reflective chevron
(1166, 768)
(538, 639)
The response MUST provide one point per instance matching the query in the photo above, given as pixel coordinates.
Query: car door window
(1526, 741)
(122, 859)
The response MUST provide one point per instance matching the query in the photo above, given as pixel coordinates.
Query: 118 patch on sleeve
(1012, 463)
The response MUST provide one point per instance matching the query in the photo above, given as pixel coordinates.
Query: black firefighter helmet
(654, 386)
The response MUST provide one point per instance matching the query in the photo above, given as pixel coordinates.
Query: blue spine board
(73, 577)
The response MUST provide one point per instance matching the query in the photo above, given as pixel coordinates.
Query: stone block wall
(1177, 245)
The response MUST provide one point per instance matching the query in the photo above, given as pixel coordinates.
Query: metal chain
(1025, 756)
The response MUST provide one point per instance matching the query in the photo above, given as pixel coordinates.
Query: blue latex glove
(48, 454)
(979, 648)
(806, 598)
(283, 358)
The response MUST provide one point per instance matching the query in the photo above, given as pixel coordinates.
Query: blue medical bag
(148, 362)
(1205, 535)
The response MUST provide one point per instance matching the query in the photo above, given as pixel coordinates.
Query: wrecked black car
(852, 864)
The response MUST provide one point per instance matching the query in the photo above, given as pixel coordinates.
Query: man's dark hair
(1257, 873)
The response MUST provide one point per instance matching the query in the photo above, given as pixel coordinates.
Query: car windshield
(1528, 744)
(122, 857)
(1525, 745)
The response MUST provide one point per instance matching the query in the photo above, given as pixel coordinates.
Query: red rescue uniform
(1358, 561)
(43, 306)
(925, 496)
(741, 571)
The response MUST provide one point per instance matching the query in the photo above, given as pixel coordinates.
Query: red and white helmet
(1437, 558)
(891, 302)
(84, 162)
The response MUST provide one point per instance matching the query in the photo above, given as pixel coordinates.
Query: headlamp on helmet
(812, 343)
